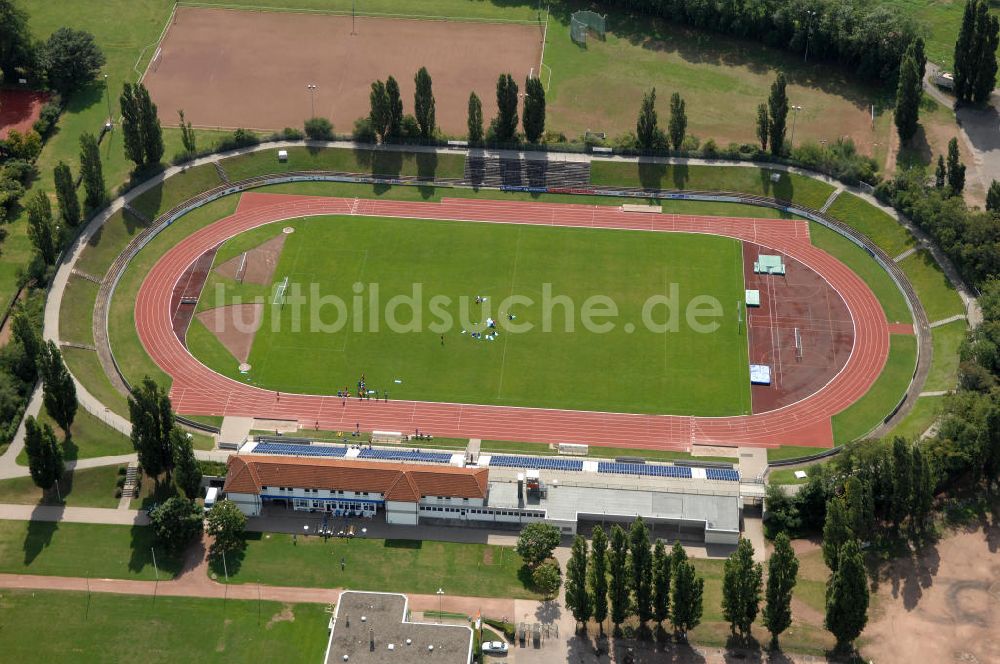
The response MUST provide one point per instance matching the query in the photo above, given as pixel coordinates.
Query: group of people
(491, 332)
(362, 392)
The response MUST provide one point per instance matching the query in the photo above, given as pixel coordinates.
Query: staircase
(493, 171)
(131, 474)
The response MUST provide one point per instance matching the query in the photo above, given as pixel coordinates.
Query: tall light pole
(440, 594)
(354, 7)
(795, 116)
(809, 17)
(312, 98)
(107, 95)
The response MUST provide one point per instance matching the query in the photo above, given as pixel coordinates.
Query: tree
(646, 130)
(475, 121)
(956, 169)
(678, 121)
(686, 602)
(617, 567)
(777, 107)
(25, 146)
(41, 230)
(836, 531)
(187, 134)
(25, 335)
(152, 133)
(45, 462)
(71, 59)
(940, 173)
(859, 504)
(909, 89)
(975, 60)
(641, 570)
(920, 57)
(176, 523)
(152, 421)
(923, 488)
(91, 170)
(547, 578)
(423, 102)
(69, 204)
(505, 125)
(536, 543)
(741, 586)
(226, 524)
(131, 125)
(378, 114)
(534, 109)
(902, 480)
(58, 389)
(187, 474)
(17, 46)
(661, 582)
(394, 108)
(782, 573)
(597, 576)
(577, 597)
(318, 129)
(763, 126)
(993, 197)
(847, 596)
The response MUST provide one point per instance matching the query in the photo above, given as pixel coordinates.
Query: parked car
(494, 648)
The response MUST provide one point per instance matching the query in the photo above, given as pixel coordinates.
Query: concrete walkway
(950, 319)
(96, 515)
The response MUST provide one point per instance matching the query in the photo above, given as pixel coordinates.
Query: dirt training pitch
(229, 68)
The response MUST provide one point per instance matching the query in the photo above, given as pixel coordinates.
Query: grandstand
(541, 463)
(643, 469)
(404, 455)
(286, 449)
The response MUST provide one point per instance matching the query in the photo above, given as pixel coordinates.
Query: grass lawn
(109, 241)
(939, 297)
(679, 372)
(791, 452)
(123, 336)
(891, 236)
(352, 161)
(81, 549)
(920, 418)
(88, 487)
(76, 313)
(858, 260)
(745, 179)
(87, 368)
(786, 476)
(405, 566)
(944, 365)
(91, 438)
(102, 627)
(864, 414)
(176, 189)
(724, 209)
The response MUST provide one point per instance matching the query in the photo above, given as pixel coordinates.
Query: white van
(211, 497)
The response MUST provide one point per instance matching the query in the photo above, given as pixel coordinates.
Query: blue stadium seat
(301, 450)
(541, 463)
(405, 455)
(726, 474)
(647, 469)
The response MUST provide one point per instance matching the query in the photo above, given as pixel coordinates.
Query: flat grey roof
(364, 619)
(718, 510)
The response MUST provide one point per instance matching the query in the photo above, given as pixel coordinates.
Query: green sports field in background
(681, 372)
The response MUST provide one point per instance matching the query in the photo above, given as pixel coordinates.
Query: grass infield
(682, 372)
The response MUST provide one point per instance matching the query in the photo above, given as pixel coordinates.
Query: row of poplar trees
(625, 576)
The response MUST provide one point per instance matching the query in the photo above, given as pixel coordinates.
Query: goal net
(582, 22)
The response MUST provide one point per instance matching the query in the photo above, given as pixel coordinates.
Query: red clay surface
(800, 300)
(197, 390)
(187, 290)
(235, 326)
(19, 109)
(229, 68)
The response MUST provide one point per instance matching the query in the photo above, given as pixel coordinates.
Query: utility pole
(156, 571)
(312, 98)
(809, 17)
(107, 95)
(795, 116)
(354, 7)
(440, 594)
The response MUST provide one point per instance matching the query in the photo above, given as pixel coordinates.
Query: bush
(409, 127)
(690, 143)
(122, 470)
(20, 170)
(363, 131)
(840, 159)
(48, 118)
(710, 149)
(24, 146)
(292, 134)
(120, 482)
(240, 138)
(508, 628)
(118, 493)
(319, 129)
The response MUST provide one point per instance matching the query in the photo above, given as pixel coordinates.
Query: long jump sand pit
(231, 68)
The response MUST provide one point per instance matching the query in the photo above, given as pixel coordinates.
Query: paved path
(96, 515)
(950, 319)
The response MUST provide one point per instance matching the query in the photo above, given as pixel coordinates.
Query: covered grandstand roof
(396, 481)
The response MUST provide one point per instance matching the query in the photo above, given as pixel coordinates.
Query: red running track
(197, 390)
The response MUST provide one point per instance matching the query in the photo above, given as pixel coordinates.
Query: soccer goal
(582, 22)
(279, 292)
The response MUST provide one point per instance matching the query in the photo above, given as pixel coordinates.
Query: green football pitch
(323, 333)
